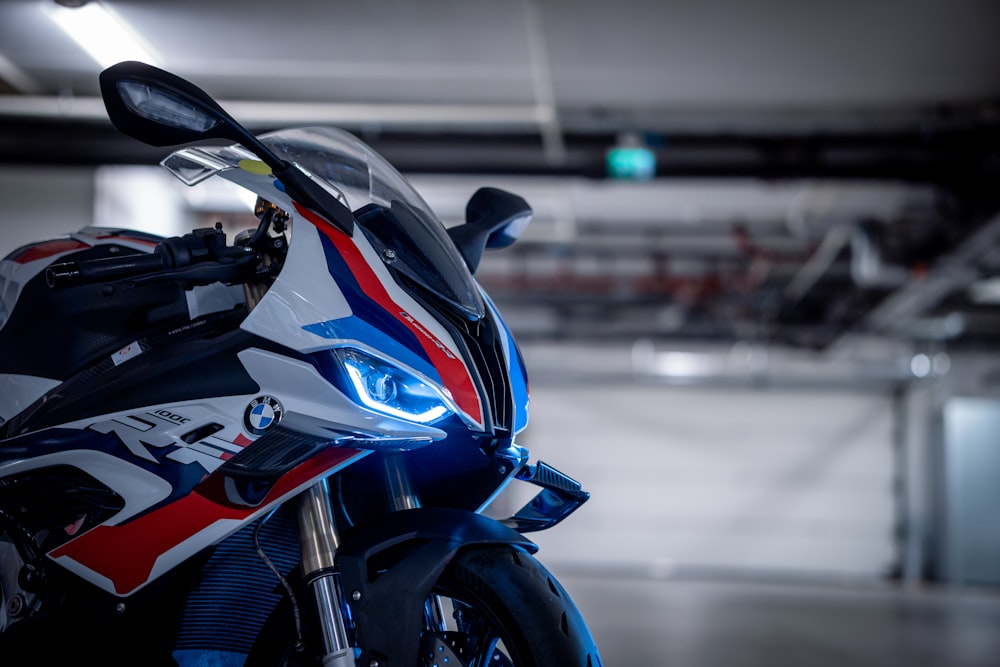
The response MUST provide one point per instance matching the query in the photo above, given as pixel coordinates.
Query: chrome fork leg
(397, 482)
(402, 497)
(434, 613)
(319, 541)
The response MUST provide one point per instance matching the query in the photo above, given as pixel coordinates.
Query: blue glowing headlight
(388, 389)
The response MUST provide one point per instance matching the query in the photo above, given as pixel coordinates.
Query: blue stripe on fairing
(368, 311)
(515, 367)
(355, 328)
(518, 384)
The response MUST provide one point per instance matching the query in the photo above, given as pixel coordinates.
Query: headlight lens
(388, 389)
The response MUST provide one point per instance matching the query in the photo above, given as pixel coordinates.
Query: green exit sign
(635, 163)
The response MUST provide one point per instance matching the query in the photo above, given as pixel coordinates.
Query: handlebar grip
(69, 274)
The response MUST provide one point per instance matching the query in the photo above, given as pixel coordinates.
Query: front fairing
(386, 207)
(399, 290)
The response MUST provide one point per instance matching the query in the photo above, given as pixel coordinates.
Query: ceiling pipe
(541, 77)
(818, 263)
(952, 272)
(287, 113)
(868, 269)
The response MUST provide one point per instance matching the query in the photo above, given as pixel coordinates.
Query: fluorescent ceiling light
(102, 34)
(688, 364)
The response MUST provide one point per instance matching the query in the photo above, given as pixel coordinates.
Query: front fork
(319, 541)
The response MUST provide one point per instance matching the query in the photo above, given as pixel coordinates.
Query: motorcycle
(277, 451)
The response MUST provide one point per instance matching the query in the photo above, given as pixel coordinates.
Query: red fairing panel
(123, 558)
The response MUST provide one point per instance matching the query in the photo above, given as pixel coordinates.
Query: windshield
(395, 219)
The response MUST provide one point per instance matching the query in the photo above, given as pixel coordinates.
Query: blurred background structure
(760, 299)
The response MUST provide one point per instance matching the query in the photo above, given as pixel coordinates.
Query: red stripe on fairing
(126, 554)
(453, 372)
(47, 249)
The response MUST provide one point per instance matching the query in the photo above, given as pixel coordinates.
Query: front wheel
(491, 607)
(500, 607)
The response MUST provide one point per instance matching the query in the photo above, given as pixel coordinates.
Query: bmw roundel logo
(262, 413)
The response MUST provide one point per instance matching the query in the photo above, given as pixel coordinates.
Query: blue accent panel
(355, 328)
(518, 385)
(55, 440)
(369, 311)
(517, 369)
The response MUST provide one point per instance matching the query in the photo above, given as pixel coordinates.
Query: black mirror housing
(161, 109)
(494, 218)
(117, 79)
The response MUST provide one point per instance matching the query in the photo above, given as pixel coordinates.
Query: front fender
(388, 568)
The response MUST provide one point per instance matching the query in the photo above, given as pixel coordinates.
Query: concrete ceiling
(820, 164)
(628, 58)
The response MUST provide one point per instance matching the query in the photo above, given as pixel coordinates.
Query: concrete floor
(705, 623)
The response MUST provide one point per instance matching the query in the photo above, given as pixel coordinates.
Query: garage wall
(43, 202)
(719, 479)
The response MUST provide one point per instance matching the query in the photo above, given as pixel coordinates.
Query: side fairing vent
(56, 503)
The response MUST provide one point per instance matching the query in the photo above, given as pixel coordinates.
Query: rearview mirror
(161, 109)
(494, 218)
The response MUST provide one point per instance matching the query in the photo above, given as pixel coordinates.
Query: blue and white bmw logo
(262, 413)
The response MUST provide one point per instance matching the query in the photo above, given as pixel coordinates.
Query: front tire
(507, 609)
(501, 608)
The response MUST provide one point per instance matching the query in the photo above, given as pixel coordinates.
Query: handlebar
(85, 272)
(170, 258)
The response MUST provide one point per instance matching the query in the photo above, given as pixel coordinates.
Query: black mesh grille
(485, 350)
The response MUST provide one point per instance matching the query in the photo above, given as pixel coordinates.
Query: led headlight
(388, 389)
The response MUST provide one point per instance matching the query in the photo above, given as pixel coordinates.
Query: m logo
(191, 437)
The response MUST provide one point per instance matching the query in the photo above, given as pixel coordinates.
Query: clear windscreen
(391, 213)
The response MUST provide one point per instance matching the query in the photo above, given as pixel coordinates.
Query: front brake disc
(444, 649)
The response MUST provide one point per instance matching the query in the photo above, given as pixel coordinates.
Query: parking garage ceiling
(821, 168)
